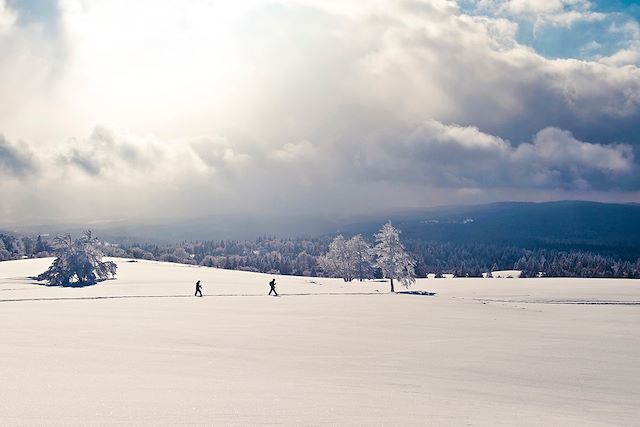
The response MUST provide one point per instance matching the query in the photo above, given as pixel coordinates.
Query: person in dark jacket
(198, 289)
(272, 283)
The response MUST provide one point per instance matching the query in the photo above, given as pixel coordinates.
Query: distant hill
(562, 239)
(608, 228)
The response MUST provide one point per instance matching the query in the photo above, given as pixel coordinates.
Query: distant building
(506, 274)
(431, 276)
(448, 275)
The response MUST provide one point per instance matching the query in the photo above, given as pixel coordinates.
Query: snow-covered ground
(142, 350)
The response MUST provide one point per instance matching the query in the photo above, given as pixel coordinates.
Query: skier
(272, 283)
(198, 289)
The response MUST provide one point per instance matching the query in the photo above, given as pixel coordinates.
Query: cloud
(294, 152)
(129, 158)
(470, 70)
(559, 149)
(543, 12)
(16, 160)
(221, 156)
(7, 17)
(309, 106)
(629, 51)
(464, 157)
(625, 56)
(433, 154)
(587, 30)
(556, 159)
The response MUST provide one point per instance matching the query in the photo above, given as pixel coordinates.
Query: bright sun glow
(151, 65)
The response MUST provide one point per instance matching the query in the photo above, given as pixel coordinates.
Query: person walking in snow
(198, 289)
(272, 283)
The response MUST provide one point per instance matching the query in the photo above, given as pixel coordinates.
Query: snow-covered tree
(78, 262)
(393, 259)
(361, 256)
(337, 262)
(41, 245)
(4, 253)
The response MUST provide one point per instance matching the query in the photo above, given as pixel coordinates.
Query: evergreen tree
(393, 260)
(77, 263)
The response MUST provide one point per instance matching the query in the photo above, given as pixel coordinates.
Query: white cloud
(294, 152)
(629, 53)
(7, 17)
(626, 56)
(543, 12)
(557, 151)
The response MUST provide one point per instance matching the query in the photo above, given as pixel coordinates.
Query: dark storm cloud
(106, 154)
(457, 157)
(16, 160)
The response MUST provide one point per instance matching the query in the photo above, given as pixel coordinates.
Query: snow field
(142, 350)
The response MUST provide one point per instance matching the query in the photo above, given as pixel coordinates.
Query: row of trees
(304, 257)
(272, 255)
(316, 257)
(79, 262)
(355, 258)
(575, 264)
(12, 247)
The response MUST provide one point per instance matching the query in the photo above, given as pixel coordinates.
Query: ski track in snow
(570, 302)
(191, 296)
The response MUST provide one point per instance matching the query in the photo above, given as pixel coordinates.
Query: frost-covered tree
(337, 262)
(348, 259)
(139, 253)
(4, 253)
(393, 259)
(41, 245)
(78, 262)
(361, 256)
(29, 245)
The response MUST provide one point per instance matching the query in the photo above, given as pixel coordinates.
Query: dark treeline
(299, 256)
(474, 259)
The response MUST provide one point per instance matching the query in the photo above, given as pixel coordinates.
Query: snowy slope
(142, 350)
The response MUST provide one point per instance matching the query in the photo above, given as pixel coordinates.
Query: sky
(186, 108)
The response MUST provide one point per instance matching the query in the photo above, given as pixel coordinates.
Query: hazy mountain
(601, 227)
(201, 228)
(608, 228)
